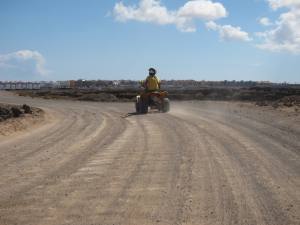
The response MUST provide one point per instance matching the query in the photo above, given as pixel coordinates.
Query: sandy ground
(202, 163)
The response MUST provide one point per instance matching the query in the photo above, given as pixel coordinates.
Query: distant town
(124, 84)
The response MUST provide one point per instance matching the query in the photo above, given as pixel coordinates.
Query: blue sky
(198, 39)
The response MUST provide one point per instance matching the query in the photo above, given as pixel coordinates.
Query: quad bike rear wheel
(166, 105)
(141, 106)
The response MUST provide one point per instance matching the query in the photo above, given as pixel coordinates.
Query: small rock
(27, 109)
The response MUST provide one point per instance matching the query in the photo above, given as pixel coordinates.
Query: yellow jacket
(152, 83)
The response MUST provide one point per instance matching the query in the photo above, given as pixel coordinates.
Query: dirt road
(202, 163)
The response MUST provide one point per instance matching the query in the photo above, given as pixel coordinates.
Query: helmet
(152, 71)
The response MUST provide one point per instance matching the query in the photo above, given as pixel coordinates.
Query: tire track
(192, 166)
(256, 166)
(67, 160)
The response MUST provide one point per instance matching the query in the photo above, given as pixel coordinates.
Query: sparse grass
(261, 95)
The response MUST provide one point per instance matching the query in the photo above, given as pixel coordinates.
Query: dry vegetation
(275, 96)
(18, 117)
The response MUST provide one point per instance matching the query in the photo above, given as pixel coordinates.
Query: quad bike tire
(137, 109)
(166, 105)
(141, 107)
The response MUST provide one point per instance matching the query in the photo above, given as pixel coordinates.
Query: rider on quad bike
(152, 96)
(152, 82)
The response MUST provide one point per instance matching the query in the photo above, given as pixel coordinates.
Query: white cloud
(265, 21)
(285, 36)
(12, 60)
(203, 9)
(276, 4)
(228, 32)
(153, 11)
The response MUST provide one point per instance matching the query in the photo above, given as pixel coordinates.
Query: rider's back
(152, 83)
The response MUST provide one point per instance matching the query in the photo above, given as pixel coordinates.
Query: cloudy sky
(121, 39)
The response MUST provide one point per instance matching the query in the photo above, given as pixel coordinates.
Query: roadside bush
(16, 112)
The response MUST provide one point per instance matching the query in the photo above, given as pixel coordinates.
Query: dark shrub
(16, 111)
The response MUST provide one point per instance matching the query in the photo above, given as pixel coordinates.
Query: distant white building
(19, 85)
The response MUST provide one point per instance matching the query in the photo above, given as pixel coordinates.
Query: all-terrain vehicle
(157, 100)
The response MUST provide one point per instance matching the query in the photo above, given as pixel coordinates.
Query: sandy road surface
(202, 163)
